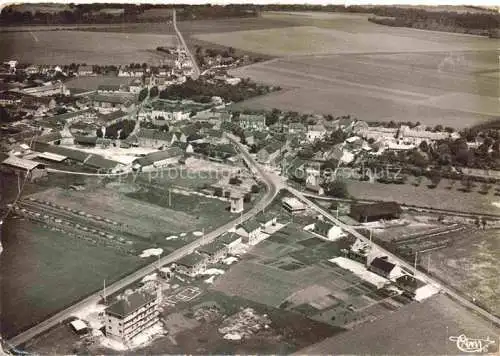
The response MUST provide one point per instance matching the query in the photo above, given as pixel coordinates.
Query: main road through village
(273, 183)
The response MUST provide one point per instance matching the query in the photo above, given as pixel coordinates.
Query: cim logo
(466, 344)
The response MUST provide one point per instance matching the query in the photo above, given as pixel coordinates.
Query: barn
(375, 211)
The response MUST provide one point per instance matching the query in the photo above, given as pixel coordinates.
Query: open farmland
(439, 198)
(45, 270)
(422, 329)
(65, 47)
(470, 265)
(377, 73)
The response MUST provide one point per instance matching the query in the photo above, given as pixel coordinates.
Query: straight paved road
(196, 69)
(424, 277)
(115, 287)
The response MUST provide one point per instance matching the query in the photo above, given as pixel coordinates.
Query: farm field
(348, 65)
(470, 265)
(422, 329)
(290, 270)
(45, 270)
(197, 26)
(91, 83)
(440, 197)
(65, 47)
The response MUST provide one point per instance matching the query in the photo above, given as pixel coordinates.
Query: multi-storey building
(131, 315)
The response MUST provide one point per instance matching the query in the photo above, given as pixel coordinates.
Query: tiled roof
(382, 264)
(190, 260)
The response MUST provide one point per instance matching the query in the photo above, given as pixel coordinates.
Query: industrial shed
(18, 165)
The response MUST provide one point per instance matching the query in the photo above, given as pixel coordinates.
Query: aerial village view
(249, 179)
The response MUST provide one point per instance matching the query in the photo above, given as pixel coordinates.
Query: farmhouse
(214, 251)
(249, 230)
(231, 240)
(375, 211)
(131, 315)
(266, 220)
(252, 122)
(384, 268)
(327, 230)
(108, 103)
(191, 264)
(33, 170)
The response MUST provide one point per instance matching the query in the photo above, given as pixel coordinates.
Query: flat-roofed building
(17, 165)
(47, 89)
(293, 205)
(131, 315)
(51, 156)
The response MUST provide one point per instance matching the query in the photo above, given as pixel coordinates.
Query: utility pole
(415, 265)
(169, 197)
(104, 292)
(428, 262)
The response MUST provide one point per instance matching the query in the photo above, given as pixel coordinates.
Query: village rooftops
(113, 99)
(129, 304)
(154, 134)
(212, 248)
(228, 238)
(159, 156)
(250, 225)
(96, 161)
(112, 116)
(382, 265)
(50, 137)
(191, 260)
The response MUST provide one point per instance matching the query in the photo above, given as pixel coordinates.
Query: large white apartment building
(131, 315)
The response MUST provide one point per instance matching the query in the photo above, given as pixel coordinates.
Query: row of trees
(203, 91)
(91, 13)
(125, 128)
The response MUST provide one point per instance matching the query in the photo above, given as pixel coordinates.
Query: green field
(44, 271)
(66, 47)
